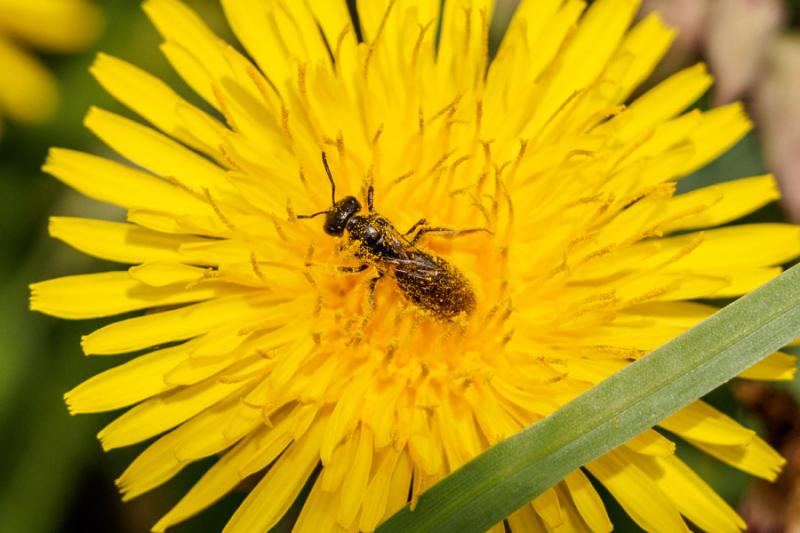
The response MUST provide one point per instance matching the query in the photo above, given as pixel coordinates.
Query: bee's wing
(416, 266)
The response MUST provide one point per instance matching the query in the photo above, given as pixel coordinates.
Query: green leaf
(512, 473)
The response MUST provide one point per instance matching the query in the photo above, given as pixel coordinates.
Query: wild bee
(426, 280)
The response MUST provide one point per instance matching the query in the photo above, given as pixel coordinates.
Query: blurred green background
(53, 474)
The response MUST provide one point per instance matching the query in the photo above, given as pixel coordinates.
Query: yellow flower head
(28, 92)
(263, 349)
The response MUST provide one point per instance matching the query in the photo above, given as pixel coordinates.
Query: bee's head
(336, 219)
(340, 213)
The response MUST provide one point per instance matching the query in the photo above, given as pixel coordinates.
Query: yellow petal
(166, 411)
(128, 83)
(191, 47)
(175, 325)
(276, 492)
(497, 528)
(371, 15)
(674, 314)
(689, 493)
(547, 32)
(756, 457)
(776, 367)
(335, 471)
(376, 497)
(292, 34)
(213, 352)
(344, 416)
(167, 222)
(333, 17)
(108, 181)
(166, 457)
(651, 442)
(720, 129)
(721, 203)
(647, 42)
(220, 252)
(530, 19)
(357, 478)
(191, 69)
(525, 520)
(701, 422)
(548, 508)
(588, 502)
(252, 115)
(269, 444)
(739, 283)
(728, 248)
(424, 445)
(128, 383)
(585, 55)
(457, 431)
(662, 102)
(462, 48)
(159, 274)
(573, 521)
(112, 293)
(123, 243)
(155, 151)
(319, 512)
(636, 493)
(401, 481)
(218, 480)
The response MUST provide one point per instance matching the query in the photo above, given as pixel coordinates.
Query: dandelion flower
(257, 347)
(28, 92)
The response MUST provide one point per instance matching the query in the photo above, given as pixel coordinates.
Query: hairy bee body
(435, 285)
(426, 280)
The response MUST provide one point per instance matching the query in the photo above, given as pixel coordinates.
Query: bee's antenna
(330, 178)
(333, 190)
(314, 215)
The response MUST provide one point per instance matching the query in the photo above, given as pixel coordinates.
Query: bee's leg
(352, 270)
(373, 283)
(446, 231)
(417, 224)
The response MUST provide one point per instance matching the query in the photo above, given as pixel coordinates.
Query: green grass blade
(505, 477)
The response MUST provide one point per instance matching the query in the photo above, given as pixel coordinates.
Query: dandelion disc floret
(265, 342)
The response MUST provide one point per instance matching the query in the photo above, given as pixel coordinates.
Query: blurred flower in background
(754, 55)
(28, 91)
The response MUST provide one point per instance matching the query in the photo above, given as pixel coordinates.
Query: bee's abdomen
(437, 287)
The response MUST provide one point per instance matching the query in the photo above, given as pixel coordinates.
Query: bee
(426, 280)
